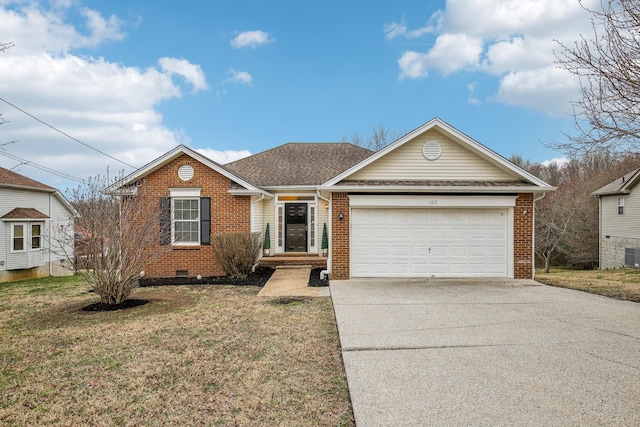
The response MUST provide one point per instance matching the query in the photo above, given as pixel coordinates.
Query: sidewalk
(292, 281)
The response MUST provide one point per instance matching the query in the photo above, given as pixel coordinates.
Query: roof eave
(29, 188)
(240, 192)
(435, 189)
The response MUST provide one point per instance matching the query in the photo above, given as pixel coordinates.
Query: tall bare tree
(380, 137)
(120, 231)
(607, 117)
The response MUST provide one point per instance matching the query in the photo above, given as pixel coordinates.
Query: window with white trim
(36, 236)
(186, 221)
(620, 206)
(18, 238)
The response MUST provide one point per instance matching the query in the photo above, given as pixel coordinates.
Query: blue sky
(133, 79)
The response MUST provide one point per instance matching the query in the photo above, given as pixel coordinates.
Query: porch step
(293, 259)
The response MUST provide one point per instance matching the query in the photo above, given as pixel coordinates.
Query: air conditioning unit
(632, 257)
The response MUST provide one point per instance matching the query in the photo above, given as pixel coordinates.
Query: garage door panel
(407, 242)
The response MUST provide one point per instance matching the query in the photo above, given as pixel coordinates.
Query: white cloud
(509, 39)
(560, 161)
(241, 77)
(451, 53)
(544, 89)
(223, 157)
(107, 105)
(192, 73)
(251, 39)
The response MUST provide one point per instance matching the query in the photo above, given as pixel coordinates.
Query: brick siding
(523, 237)
(228, 214)
(339, 236)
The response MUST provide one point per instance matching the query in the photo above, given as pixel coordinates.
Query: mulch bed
(258, 278)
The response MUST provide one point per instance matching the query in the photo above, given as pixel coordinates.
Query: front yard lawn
(621, 284)
(194, 355)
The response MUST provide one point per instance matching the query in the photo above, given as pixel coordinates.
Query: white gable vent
(431, 150)
(185, 172)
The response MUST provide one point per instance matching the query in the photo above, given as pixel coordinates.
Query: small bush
(237, 253)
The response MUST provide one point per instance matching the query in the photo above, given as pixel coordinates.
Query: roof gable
(12, 179)
(461, 159)
(25, 213)
(174, 154)
(622, 185)
(299, 164)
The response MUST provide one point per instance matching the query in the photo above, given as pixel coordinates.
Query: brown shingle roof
(24, 213)
(8, 177)
(296, 164)
(620, 185)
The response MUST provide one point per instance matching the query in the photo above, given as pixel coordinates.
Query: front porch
(294, 258)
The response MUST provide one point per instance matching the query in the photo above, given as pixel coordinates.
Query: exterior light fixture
(340, 216)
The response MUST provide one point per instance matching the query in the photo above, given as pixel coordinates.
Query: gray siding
(627, 225)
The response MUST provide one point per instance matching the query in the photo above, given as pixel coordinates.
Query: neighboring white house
(34, 220)
(619, 203)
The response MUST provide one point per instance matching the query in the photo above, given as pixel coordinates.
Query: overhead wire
(42, 168)
(66, 134)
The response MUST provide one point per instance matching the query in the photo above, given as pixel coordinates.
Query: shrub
(237, 253)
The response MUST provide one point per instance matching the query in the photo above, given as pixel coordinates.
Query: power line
(42, 168)
(66, 134)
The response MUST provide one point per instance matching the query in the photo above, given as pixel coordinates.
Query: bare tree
(120, 231)
(380, 137)
(5, 46)
(607, 117)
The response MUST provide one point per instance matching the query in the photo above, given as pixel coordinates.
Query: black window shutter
(165, 221)
(205, 220)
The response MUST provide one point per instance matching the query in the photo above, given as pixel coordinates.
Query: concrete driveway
(487, 352)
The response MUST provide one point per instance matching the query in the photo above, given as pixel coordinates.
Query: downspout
(325, 273)
(533, 233)
(251, 221)
(50, 235)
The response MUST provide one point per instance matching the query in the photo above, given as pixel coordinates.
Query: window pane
(18, 231)
(35, 242)
(35, 229)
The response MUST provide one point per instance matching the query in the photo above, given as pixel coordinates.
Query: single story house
(619, 217)
(34, 220)
(435, 203)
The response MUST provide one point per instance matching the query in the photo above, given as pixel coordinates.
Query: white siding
(455, 163)
(257, 215)
(57, 231)
(627, 225)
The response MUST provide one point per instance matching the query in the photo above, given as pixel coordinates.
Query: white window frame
(39, 236)
(24, 237)
(182, 194)
(620, 208)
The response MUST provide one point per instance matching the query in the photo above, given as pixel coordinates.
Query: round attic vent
(185, 172)
(431, 150)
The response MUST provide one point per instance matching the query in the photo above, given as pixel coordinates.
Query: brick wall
(228, 214)
(523, 237)
(339, 236)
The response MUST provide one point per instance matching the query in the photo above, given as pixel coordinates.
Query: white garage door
(421, 242)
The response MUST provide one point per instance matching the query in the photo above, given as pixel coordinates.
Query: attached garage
(451, 237)
(435, 203)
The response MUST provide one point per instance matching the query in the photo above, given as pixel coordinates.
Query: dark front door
(296, 227)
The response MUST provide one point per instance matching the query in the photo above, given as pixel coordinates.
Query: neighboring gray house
(34, 220)
(619, 204)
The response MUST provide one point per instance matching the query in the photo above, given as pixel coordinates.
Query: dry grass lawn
(195, 355)
(621, 284)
